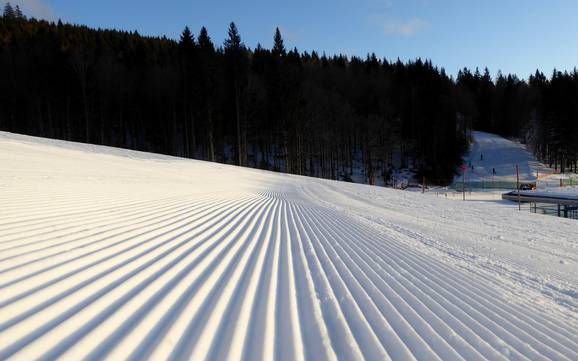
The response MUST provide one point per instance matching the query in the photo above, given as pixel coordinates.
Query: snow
(109, 253)
(490, 151)
(564, 192)
(567, 193)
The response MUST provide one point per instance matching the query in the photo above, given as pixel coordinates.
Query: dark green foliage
(278, 45)
(541, 112)
(18, 13)
(233, 42)
(288, 111)
(9, 13)
(187, 42)
(205, 43)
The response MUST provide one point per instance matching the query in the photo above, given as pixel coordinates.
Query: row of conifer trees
(277, 109)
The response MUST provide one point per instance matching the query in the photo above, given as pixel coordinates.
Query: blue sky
(514, 36)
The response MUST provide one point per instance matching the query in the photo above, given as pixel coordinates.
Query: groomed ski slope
(490, 151)
(108, 253)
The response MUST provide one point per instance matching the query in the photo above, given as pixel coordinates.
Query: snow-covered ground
(564, 192)
(491, 152)
(108, 253)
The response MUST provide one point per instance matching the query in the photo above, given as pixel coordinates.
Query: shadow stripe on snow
(193, 209)
(103, 225)
(400, 303)
(434, 266)
(200, 333)
(133, 258)
(120, 332)
(103, 291)
(154, 332)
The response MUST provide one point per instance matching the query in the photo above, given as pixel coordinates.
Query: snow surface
(490, 151)
(109, 253)
(562, 192)
(502, 155)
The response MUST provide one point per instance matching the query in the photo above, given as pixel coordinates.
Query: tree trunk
(211, 143)
(85, 103)
(68, 128)
(193, 137)
(238, 115)
(102, 117)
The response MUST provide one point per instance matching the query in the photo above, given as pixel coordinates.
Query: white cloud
(397, 27)
(35, 8)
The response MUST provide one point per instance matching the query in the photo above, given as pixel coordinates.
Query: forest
(278, 109)
(541, 112)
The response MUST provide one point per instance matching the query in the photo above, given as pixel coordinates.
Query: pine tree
(18, 13)
(236, 67)
(204, 40)
(187, 68)
(9, 11)
(207, 85)
(187, 39)
(233, 42)
(278, 46)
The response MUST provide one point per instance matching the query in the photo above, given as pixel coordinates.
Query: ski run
(115, 254)
(494, 158)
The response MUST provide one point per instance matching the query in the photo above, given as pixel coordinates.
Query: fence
(552, 181)
(570, 182)
(459, 186)
(559, 210)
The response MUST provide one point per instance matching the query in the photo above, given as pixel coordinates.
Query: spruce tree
(18, 13)
(233, 42)
(8, 11)
(187, 39)
(204, 40)
(236, 73)
(278, 46)
(207, 85)
(187, 68)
